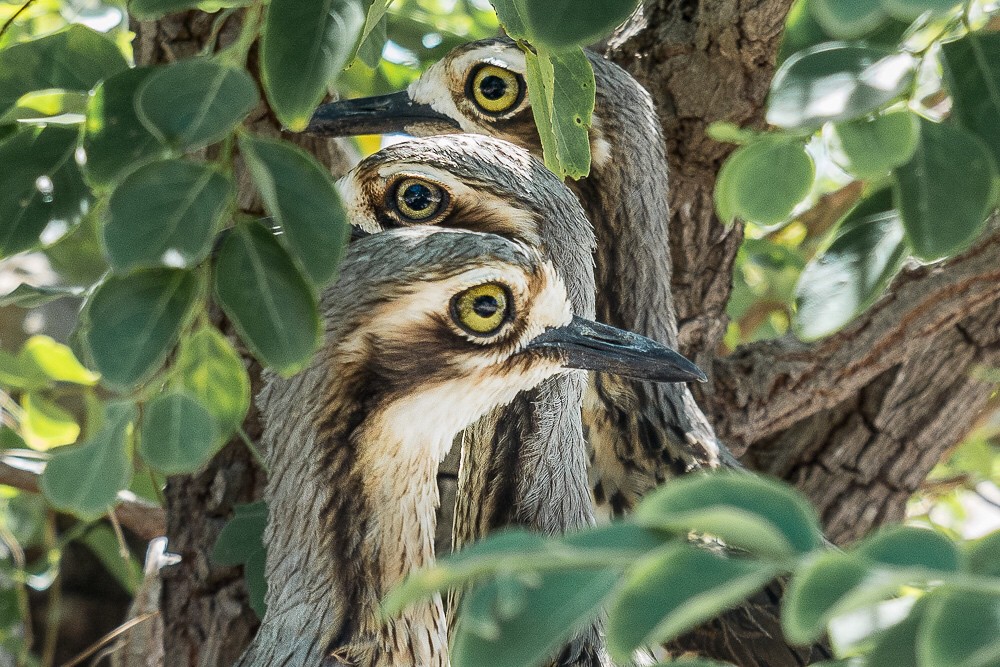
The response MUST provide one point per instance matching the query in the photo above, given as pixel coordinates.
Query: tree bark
(857, 420)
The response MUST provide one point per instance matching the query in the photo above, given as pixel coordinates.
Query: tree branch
(142, 518)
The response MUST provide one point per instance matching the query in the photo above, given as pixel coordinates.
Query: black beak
(378, 115)
(598, 347)
(357, 234)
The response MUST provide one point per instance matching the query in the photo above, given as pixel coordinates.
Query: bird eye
(495, 89)
(418, 200)
(483, 309)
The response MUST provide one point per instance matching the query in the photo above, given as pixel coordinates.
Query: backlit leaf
(945, 191)
(165, 214)
(195, 102)
(305, 44)
(211, 370)
(45, 425)
(267, 298)
(57, 361)
(178, 434)
(301, 197)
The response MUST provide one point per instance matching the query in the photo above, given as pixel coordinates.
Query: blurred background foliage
(67, 578)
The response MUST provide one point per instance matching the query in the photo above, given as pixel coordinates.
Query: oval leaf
(45, 425)
(195, 102)
(178, 434)
(907, 546)
(870, 148)
(851, 274)
(241, 543)
(960, 630)
(86, 479)
(41, 191)
(57, 361)
(836, 82)
(743, 510)
(268, 300)
(972, 70)
(673, 591)
(165, 214)
(305, 44)
(301, 197)
(764, 181)
(135, 320)
(983, 555)
(76, 58)
(562, 24)
(945, 191)
(211, 370)
(114, 139)
(847, 19)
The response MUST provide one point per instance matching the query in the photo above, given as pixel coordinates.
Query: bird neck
(625, 197)
(352, 504)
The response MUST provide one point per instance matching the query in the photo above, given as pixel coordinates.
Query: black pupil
(418, 197)
(485, 306)
(492, 87)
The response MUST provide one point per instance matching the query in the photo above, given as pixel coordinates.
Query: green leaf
(32, 296)
(850, 275)
(45, 425)
(115, 140)
(871, 147)
(562, 92)
(44, 195)
(961, 630)
(907, 546)
(983, 555)
(148, 10)
(762, 182)
(972, 70)
(373, 34)
(562, 24)
(847, 19)
(896, 646)
(56, 106)
(165, 214)
(945, 191)
(178, 434)
(76, 58)
(195, 102)
(836, 82)
(511, 621)
(743, 510)
(305, 44)
(241, 543)
(300, 196)
(673, 591)
(102, 543)
(57, 361)
(85, 480)
(211, 370)
(21, 373)
(909, 10)
(268, 300)
(135, 320)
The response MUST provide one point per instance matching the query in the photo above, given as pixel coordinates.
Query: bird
(640, 435)
(426, 330)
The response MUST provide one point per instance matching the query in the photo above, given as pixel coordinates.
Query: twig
(108, 638)
(257, 456)
(142, 518)
(9, 22)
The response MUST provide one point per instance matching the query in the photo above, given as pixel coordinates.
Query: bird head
(477, 88)
(449, 324)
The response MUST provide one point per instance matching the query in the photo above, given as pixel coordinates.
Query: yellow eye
(418, 200)
(482, 309)
(495, 89)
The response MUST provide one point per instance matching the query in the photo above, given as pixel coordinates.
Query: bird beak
(377, 115)
(598, 347)
(357, 234)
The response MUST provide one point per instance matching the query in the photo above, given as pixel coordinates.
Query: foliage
(665, 570)
(894, 102)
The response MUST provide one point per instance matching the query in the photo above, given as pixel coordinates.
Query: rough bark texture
(205, 610)
(856, 420)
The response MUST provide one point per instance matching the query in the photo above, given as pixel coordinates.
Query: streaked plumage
(641, 434)
(354, 440)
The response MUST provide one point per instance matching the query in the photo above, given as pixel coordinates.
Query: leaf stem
(257, 456)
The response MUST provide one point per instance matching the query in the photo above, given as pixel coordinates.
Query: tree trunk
(857, 420)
